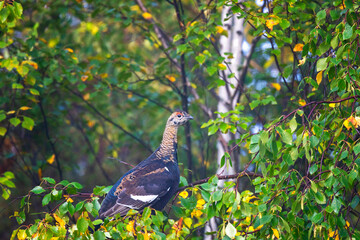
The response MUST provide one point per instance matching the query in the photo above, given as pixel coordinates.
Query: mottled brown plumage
(153, 181)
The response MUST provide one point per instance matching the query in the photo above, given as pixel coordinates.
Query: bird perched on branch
(153, 181)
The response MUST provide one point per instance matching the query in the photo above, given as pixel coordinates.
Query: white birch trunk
(231, 44)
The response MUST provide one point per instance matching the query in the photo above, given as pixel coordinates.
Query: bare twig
(146, 146)
(52, 145)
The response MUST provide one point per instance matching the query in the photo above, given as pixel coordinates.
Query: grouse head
(179, 118)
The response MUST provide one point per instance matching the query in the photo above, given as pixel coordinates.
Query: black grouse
(153, 181)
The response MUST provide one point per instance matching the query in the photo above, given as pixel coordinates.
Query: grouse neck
(169, 142)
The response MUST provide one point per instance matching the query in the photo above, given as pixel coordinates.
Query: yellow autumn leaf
(222, 66)
(69, 50)
(21, 234)
(270, 23)
(104, 75)
(188, 222)
(302, 61)
(200, 203)
(319, 77)
(347, 224)
(184, 194)
(146, 235)
(276, 232)
(124, 59)
(298, 47)
(53, 42)
(305, 135)
(130, 95)
(90, 123)
(277, 86)
(302, 102)
(31, 63)
(147, 15)
(332, 105)
(349, 122)
(333, 234)
(59, 220)
(51, 159)
(74, 58)
(135, 8)
(219, 29)
(86, 96)
(68, 198)
(130, 227)
(196, 212)
(171, 78)
(10, 112)
(40, 173)
(24, 108)
(43, 40)
(84, 78)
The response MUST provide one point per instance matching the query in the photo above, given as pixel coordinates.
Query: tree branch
(146, 146)
(52, 145)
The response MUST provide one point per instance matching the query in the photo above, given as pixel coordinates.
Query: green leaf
(183, 182)
(348, 32)
(4, 13)
(82, 225)
(71, 209)
(28, 123)
(177, 37)
(336, 205)
(38, 190)
(217, 195)
(146, 213)
(212, 129)
(316, 217)
(262, 207)
(200, 58)
(9, 183)
(98, 235)
(77, 185)
(79, 206)
(89, 206)
(64, 208)
(2, 131)
(5, 193)
(314, 186)
(335, 42)
(294, 153)
(230, 230)
(321, 64)
(357, 149)
(18, 9)
(9, 175)
(355, 202)
(33, 91)
(313, 169)
(15, 121)
(211, 70)
(293, 124)
(2, 116)
(321, 15)
(46, 199)
(49, 180)
(320, 198)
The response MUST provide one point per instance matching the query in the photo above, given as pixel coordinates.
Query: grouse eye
(179, 116)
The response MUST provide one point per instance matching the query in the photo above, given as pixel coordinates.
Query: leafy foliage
(66, 71)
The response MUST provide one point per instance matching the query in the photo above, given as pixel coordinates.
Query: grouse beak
(190, 117)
